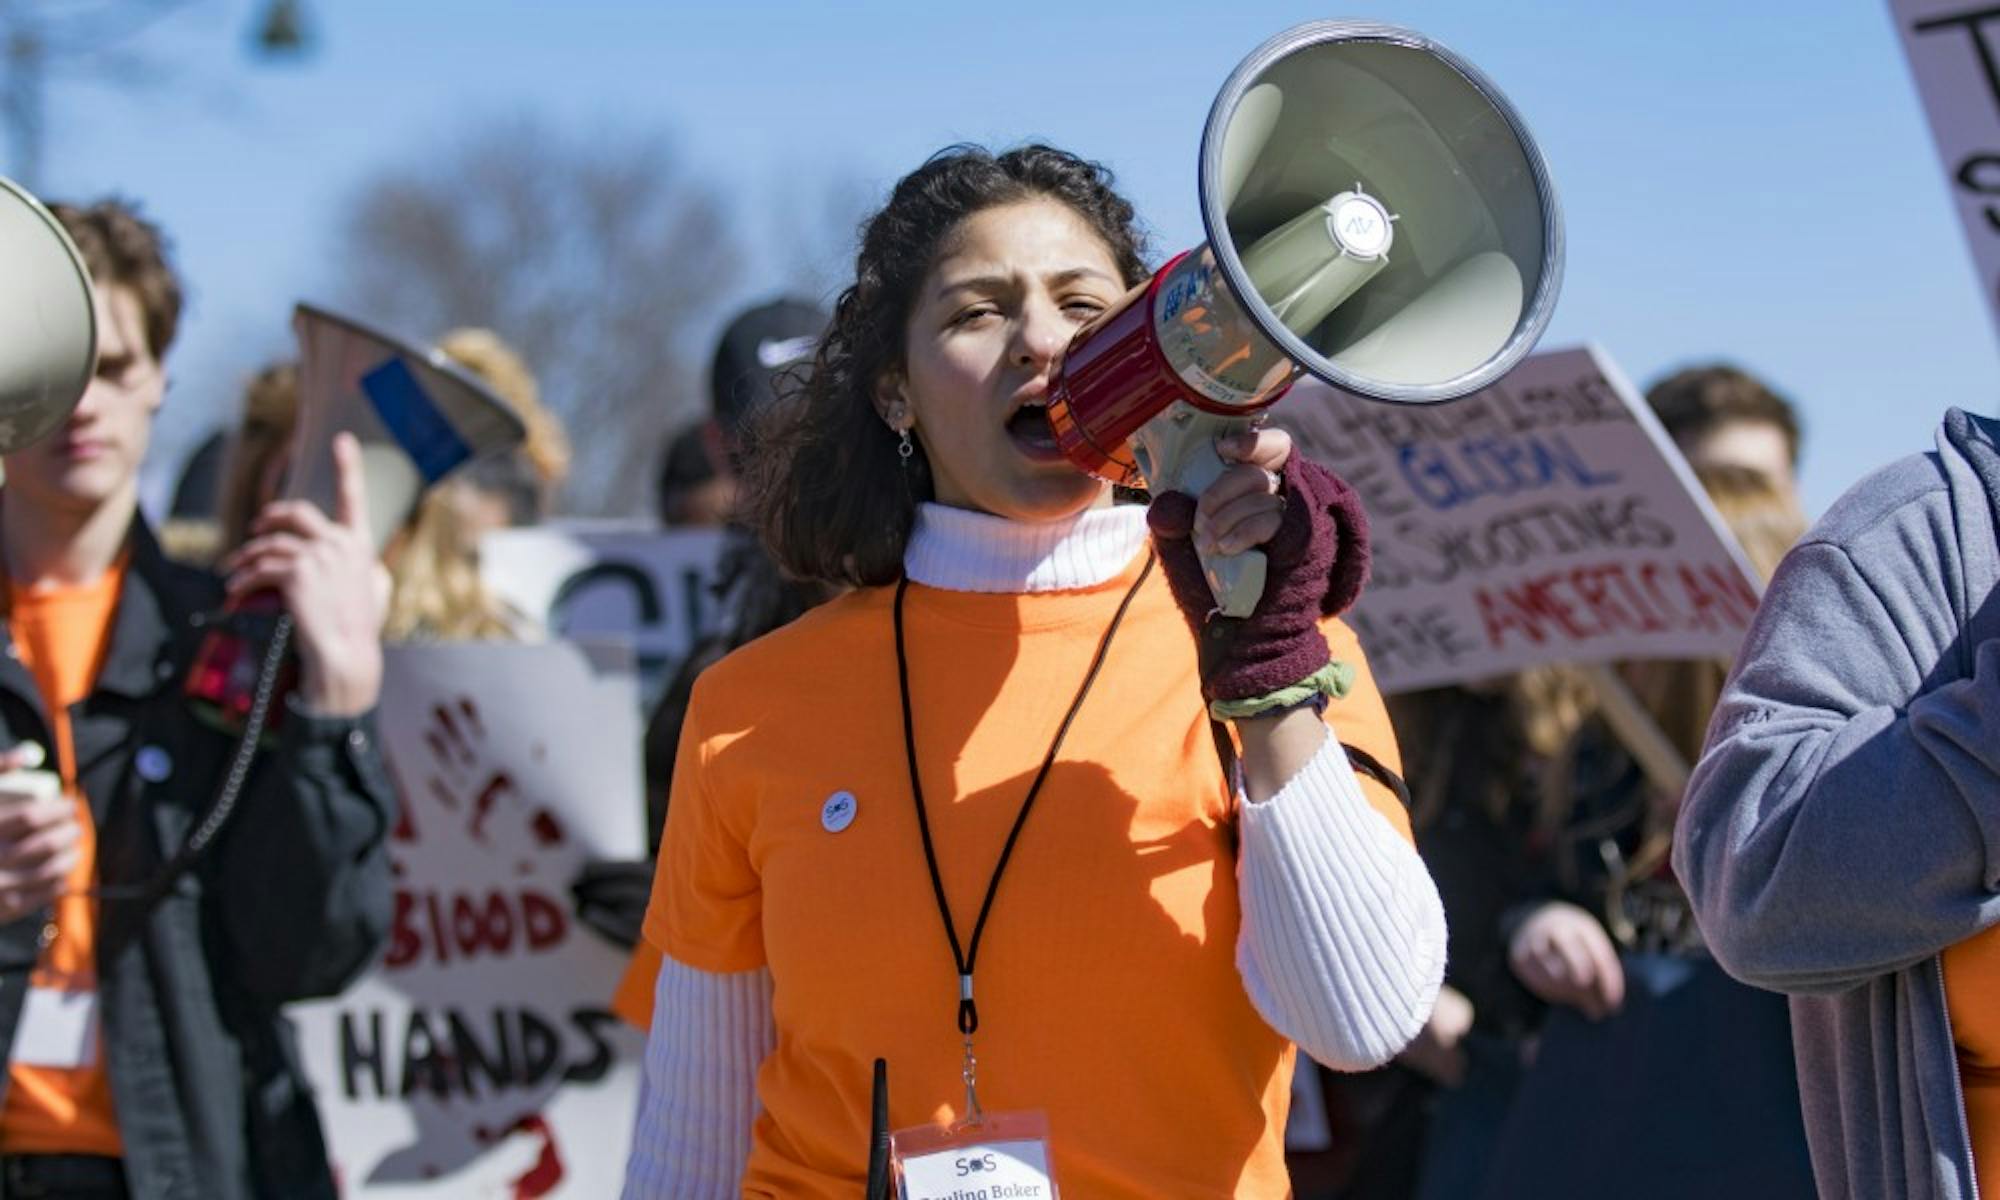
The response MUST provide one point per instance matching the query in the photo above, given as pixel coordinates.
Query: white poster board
(1546, 518)
(480, 1058)
(611, 580)
(1953, 47)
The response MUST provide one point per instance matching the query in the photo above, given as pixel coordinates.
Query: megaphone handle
(1236, 579)
(1176, 453)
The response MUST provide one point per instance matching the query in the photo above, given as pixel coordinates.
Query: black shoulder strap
(1367, 764)
(1225, 753)
(1363, 762)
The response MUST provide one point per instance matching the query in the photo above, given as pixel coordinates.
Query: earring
(905, 448)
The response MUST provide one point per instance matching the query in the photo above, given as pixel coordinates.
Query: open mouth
(1032, 434)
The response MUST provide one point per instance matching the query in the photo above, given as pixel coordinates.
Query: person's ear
(892, 401)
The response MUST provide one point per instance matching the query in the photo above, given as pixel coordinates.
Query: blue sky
(1750, 181)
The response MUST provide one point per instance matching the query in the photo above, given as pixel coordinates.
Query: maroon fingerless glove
(1317, 564)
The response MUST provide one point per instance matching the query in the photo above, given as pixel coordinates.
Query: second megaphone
(1377, 216)
(48, 321)
(418, 417)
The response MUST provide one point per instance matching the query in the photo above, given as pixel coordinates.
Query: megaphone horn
(1377, 217)
(48, 321)
(417, 414)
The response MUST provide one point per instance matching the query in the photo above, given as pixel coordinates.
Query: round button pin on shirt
(153, 764)
(838, 812)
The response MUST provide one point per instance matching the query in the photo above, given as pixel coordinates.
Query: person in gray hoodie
(1842, 830)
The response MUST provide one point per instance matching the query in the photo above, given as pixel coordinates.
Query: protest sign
(1954, 51)
(599, 579)
(1546, 518)
(480, 1058)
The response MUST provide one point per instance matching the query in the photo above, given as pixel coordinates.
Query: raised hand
(1563, 955)
(1314, 535)
(333, 584)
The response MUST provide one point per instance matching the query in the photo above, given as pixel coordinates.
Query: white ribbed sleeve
(698, 1095)
(1343, 940)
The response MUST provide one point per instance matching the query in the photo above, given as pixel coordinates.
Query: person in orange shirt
(147, 1053)
(972, 817)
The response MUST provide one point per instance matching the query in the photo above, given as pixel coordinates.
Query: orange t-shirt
(633, 1001)
(1971, 981)
(1107, 984)
(61, 634)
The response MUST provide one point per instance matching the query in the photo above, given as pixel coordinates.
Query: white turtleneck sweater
(1342, 943)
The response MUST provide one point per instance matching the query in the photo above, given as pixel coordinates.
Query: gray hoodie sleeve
(1844, 820)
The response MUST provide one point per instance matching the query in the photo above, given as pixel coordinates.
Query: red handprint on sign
(462, 781)
(482, 1014)
(546, 1171)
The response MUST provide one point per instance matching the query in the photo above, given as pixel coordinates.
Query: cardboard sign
(1954, 52)
(480, 1058)
(602, 579)
(1547, 518)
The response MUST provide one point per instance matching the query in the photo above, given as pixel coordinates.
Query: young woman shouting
(972, 817)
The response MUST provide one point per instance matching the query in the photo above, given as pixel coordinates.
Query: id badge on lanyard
(993, 1156)
(983, 1156)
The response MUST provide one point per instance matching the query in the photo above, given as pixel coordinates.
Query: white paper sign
(599, 579)
(1954, 51)
(1544, 519)
(480, 1057)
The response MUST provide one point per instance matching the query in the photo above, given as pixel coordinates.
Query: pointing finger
(351, 504)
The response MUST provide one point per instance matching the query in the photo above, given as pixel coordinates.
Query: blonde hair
(1553, 703)
(1766, 521)
(546, 448)
(438, 593)
(1492, 742)
(1765, 518)
(1680, 694)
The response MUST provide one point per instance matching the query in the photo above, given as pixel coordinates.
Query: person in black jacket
(147, 1054)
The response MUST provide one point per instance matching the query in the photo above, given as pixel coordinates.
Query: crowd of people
(971, 782)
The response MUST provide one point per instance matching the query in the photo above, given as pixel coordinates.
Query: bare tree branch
(595, 256)
(821, 230)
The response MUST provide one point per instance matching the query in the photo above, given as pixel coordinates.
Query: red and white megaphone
(418, 416)
(48, 321)
(1377, 217)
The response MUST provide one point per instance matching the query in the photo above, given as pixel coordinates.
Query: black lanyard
(964, 957)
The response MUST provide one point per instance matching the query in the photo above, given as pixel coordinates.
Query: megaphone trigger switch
(1143, 460)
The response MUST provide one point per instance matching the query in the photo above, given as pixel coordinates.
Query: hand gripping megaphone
(48, 321)
(1377, 217)
(418, 417)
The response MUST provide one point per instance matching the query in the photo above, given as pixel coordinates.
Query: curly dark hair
(824, 487)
